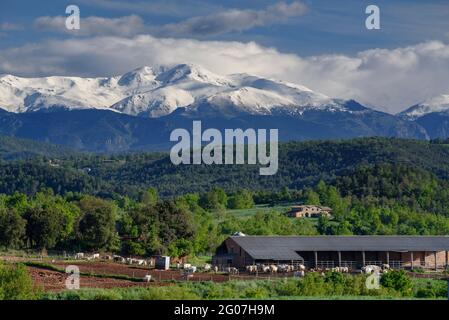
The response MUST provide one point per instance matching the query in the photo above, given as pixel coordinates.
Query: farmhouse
(322, 252)
(309, 211)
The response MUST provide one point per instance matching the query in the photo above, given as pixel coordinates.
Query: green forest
(134, 203)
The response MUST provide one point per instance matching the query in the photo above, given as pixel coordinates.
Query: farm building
(332, 251)
(309, 211)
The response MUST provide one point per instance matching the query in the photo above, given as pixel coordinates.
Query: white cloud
(8, 26)
(174, 8)
(91, 26)
(234, 20)
(391, 79)
(222, 22)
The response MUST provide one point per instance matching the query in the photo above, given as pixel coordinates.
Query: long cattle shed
(330, 251)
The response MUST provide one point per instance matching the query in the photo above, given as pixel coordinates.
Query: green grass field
(246, 213)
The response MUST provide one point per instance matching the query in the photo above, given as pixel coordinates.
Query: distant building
(330, 251)
(309, 211)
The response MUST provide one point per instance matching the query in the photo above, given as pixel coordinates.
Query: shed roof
(286, 248)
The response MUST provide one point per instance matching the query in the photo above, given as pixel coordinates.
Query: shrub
(397, 280)
(16, 283)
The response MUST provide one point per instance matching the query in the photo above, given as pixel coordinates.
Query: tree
(45, 226)
(241, 200)
(215, 199)
(150, 196)
(312, 198)
(12, 228)
(96, 227)
(323, 225)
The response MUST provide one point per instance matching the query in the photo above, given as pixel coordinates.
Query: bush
(430, 289)
(16, 283)
(397, 280)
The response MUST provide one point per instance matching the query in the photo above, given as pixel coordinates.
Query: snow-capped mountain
(158, 91)
(149, 102)
(438, 104)
(432, 115)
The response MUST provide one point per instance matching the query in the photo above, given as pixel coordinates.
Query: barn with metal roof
(330, 251)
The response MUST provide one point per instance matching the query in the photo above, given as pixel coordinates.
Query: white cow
(140, 262)
(119, 259)
(371, 268)
(147, 278)
(232, 270)
(251, 269)
(79, 255)
(299, 273)
(264, 268)
(191, 269)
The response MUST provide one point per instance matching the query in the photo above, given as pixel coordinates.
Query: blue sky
(321, 44)
(328, 26)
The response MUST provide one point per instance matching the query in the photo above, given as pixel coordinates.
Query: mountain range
(139, 109)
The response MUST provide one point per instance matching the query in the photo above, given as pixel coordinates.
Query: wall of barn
(419, 257)
(441, 258)
(241, 258)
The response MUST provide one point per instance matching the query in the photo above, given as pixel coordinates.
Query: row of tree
(379, 199)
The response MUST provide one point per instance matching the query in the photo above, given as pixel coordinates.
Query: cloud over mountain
(234, 20)
(220, 22)
(390, 79)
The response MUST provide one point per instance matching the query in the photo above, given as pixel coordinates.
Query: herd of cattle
(297, 270)
(150, 262)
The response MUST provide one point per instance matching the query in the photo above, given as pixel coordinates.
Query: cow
(299, 274)
(370, 269)
(207, 267)
(264, 268)
(232, 270)
(283, 268)
(273, 268)
(147, 278)
(96, 256)
(251, 269)
(216, 269)
(140, 262)
(191, 269)
(119, 259)
(150, 262)
(79, 255)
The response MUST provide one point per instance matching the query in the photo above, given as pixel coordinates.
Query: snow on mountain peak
(155, 103)
(139, 76)
(248, 99)
(191, 72)
(433, 105)
(160, 90)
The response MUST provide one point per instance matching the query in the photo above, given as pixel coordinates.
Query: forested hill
(301, 164)
(15, 148)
